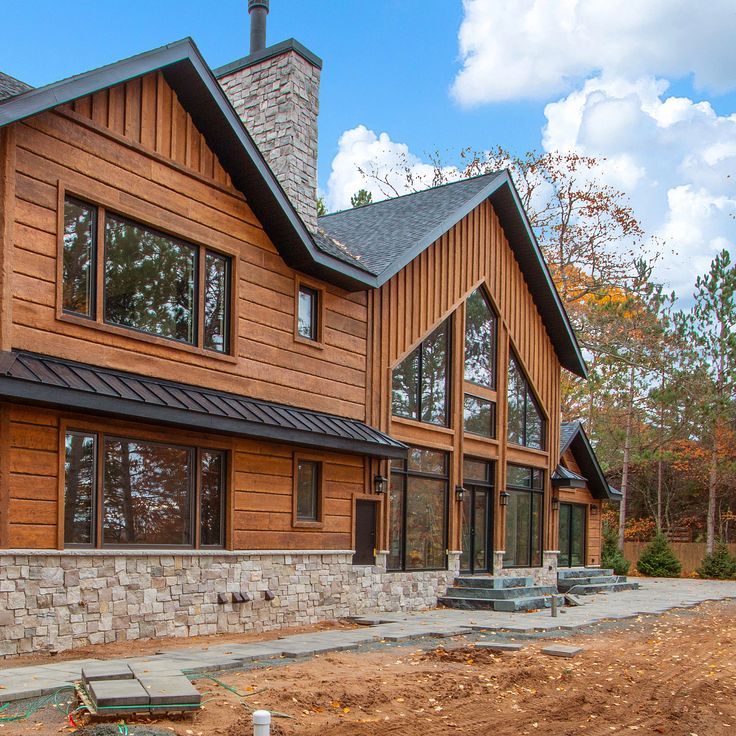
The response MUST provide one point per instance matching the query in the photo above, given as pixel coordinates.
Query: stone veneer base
(57, 600)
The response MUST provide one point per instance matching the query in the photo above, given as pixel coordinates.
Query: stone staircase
(499, 594)
(590, 580)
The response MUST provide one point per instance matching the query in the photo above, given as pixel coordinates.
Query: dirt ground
(672, 674)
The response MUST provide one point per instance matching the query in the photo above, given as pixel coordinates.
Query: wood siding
(434, 287)
(134, 150)
(593, 524)
(259, 498)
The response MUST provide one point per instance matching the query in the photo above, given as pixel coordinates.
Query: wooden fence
(690, 554)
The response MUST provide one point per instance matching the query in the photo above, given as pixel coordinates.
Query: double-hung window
(129, 275)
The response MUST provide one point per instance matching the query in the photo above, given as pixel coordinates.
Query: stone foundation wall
(51, 601)
(544, 575)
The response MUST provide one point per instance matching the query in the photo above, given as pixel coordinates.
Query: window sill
(307, 524)
(422, 425)
(316, 344)
(532, 450)
(143, 337)
(480, 438)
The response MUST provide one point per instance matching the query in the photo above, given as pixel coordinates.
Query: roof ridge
(411, 194)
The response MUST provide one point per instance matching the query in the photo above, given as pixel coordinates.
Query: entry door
(572, 535)
(477, 554)
(365, 533)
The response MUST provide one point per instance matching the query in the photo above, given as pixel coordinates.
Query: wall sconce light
(459, 493)
(594, 510)
(504, 498)
(379, 483)
(555, 503)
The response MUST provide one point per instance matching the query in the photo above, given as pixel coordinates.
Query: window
(307, 490)
(308, 313)
(480, 341)
(148, 493)
(418, 512)
(526, 426)
(150, 281)
(80, 234)
(525, 487)
(420, 381)
(480, 416)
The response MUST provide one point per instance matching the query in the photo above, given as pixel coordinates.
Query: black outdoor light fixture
(504, 498)
(555, 503)
(459, 493)
(379, 483)
(593, 510)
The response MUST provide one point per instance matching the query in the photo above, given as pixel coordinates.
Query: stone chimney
(275, 90)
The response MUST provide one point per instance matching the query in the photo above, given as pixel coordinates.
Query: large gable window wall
(526, 425)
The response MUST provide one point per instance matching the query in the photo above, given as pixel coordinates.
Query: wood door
(365, 533)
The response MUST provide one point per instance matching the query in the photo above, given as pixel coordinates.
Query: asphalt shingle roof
(378, 234)
(10, 86)
(567, 432)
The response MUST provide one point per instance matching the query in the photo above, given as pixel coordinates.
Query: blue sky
(650, 87)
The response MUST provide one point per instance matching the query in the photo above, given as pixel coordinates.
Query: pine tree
(720, 564)
(611, 556)
(658, 560)
(321, 207)
(361, 198)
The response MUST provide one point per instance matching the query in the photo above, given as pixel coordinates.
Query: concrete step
(498, 593)
(509, 605)
(567, 583)
(582, 572)
(494, 583)
(590, 589)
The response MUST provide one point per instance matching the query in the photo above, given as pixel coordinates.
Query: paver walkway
(655, 596)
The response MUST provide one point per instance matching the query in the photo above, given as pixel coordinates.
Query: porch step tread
(460, 591)
(567, 583)
(508, 605)
(583, 572)
(602, 588)
(495, 583)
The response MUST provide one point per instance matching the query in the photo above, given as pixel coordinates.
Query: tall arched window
(480, 340)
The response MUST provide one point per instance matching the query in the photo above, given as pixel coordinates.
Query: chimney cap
(257, 4)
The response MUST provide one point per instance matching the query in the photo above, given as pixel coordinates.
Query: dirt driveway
(672, 674)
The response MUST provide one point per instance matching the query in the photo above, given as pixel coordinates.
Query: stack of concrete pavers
(116, 689)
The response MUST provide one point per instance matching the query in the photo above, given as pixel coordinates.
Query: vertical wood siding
(113, 148)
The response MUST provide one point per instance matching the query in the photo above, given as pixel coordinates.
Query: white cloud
(536, 49)
(675, 158)
(361, 149)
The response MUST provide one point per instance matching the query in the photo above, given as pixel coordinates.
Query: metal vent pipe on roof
(258, 10)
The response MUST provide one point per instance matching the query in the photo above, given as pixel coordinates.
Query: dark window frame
(195, 512)
(494, 315)
(531, 490)
(419, 349)
(494, 419)
(529, 398)
(98, 317)
(297, 521)
(93, 258)
(488, 485)
(401, 468)
(316, 298)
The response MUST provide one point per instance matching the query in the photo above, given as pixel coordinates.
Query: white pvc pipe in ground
(261, 723)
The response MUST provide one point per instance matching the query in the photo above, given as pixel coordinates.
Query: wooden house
(219, 413)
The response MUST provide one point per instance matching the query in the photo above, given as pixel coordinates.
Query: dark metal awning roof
(564, 478)
(75, 386)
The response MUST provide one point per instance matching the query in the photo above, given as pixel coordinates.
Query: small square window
(308, 313)
(307, 490)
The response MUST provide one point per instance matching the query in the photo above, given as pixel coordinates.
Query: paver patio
(655, 596)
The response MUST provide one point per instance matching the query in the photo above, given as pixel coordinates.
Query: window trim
(542, 518)
(119, 432)
(406, 474)
(96, 320)
(296, 522)
(319, 316)
(531, 392)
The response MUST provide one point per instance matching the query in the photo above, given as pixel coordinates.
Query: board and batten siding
(261, 481)
(593, 524)
(135, 150)
(433, 287)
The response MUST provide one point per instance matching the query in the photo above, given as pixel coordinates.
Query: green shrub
(658, 560)
(611, 556)
(720, 564)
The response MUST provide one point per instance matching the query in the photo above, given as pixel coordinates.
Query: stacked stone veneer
(544, 575)
(50, 601)
(277, 97)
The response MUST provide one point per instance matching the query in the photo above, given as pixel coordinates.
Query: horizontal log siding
(428, 290)
(594, 524)
(260, 504)
(117, 153)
